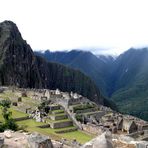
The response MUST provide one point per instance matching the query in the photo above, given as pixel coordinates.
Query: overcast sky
(103, 26)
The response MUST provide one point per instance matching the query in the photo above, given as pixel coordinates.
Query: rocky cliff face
(17, 61)
(19, 66)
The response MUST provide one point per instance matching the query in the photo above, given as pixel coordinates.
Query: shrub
(24, 94)
(79, 117)
(19, 99)
(14, 103)
(9, 123)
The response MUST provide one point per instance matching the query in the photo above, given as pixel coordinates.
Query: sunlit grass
(31, 126)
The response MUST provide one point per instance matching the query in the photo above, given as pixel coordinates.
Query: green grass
(57, 121)
(15, 114)
(32, 127)
(81, 107)
(65, 128)
(61, 114)
(30, 123)
(59, 111)
(12, 96)
(78, 135)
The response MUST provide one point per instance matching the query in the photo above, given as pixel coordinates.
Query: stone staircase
(58, 120)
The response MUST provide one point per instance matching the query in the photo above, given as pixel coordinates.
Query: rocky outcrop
(17, 61)
(99, 142)
(1, 142)
(20, 67)
(39, 141)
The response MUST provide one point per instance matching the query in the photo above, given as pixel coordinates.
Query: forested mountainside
(19, 66)
(130, 83)
(88, 63)
(124, 79)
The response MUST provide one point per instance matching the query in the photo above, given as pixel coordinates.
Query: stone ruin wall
(93, 129)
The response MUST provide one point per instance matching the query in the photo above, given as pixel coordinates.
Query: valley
(122, 79)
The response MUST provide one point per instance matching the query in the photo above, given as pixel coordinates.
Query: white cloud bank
(115, 25)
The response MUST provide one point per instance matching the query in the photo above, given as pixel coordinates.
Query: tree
(9, 123)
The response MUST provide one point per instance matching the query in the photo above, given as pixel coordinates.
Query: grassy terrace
(59, 111)
(27, 101)
(31, 126)
(15, 114)
(80, 107)
(61, 114)
(57, 121)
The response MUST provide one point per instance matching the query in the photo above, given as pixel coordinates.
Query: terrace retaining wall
(61, 124)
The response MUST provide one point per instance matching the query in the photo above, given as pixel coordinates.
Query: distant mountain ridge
(130, 79)
(20, 67)
(87, 62)
(124, 79)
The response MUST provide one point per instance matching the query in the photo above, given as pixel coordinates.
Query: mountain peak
(9, 29)
(8, 25)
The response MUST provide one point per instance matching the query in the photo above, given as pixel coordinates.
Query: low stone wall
(44, 126)
(61, 124)
(22, 118)
(66, 131)
(86, 110)
(60, 117)
(142, 144)
(145, 127)
(136, 134)
(93, 129)
(99, 114)
(54, 107)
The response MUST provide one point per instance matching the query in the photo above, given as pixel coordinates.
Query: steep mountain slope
(91, 65)
(19, 66)
(17, 61)
(130, 82)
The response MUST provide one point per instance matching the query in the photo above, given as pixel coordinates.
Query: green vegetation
(79, 117)
(82, 107)
(59, 111)
(57, 121)
(131, 93)
(60, 114)
(8, 122)
(78, 135)
(31, 125)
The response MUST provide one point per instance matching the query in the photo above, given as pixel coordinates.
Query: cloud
(100, 25)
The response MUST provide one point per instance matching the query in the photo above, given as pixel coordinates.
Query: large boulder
(103, 141)
(36, 140)
(8, 133)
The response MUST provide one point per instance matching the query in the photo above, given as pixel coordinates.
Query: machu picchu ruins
(55, 113)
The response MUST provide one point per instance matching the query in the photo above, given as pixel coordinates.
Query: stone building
(120, 123)
(129, 126)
